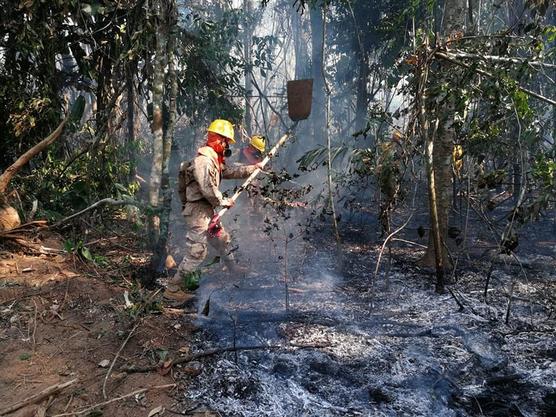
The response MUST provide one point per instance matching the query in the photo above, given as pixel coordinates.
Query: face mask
(227, 151)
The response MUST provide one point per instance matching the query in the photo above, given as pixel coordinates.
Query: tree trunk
(362, 93)
(130, 139)
(318, 110)
(428, 136)
(300, 46)
(440, 178)
(437, 232)
(165, 198)
(153, 226)
(247, 39)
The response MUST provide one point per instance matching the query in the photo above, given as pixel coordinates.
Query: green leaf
(69, 246)
(86, 253)
(191, 280)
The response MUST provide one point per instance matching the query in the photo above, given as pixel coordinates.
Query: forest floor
(337, 341)
(64, 318)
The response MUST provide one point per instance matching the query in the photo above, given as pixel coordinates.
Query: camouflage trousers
(197, 216)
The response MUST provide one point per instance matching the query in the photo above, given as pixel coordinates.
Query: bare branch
(448, 58)
(33, 399)
(496, 58)
(13, 169)
(104, 201)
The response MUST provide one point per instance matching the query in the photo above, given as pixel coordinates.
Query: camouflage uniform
(200, 197)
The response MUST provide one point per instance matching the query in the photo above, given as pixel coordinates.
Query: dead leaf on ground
(166, 367)
(155, 411)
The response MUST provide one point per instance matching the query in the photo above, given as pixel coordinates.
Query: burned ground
(352, 343)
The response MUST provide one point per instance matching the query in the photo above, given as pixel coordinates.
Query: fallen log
(19, 231)
(19, 236)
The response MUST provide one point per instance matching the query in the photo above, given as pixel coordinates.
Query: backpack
(184, 179)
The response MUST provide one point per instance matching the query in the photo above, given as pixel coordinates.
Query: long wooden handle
(251, 177)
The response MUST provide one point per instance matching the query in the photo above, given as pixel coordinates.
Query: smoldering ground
(345, 350)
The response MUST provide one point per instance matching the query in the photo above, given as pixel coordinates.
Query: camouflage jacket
(200, 178)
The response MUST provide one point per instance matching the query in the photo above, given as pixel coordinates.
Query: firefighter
(198, 187)
(254, 152)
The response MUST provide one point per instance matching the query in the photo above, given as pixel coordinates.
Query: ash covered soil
(354, 344)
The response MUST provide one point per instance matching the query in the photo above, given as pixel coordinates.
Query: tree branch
(496, 58)
(123, 397)
(8, 174)
(107, 201)
(448, 58)
(45, 393)
(268, 102)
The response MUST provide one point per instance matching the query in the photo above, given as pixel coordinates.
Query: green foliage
(191, 280)
(262, 48)
(501, 128)
(314, 158)
(544, 172)
(24, 118)
(209, 72)
(79, 249)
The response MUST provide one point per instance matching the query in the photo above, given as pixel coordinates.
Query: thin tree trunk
(157, 121)
(362, 93)
(319, 101)
(362, 99)
(435, 208)
(300, 45)
(165, 199)
(441, 156)
(327, 137)
(247, 35)
(130, 139)
(428, 138)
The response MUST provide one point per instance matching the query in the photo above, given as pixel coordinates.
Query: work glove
(215, 227)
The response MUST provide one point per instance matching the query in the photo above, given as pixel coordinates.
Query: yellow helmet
(258, 142)
(224, 128)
